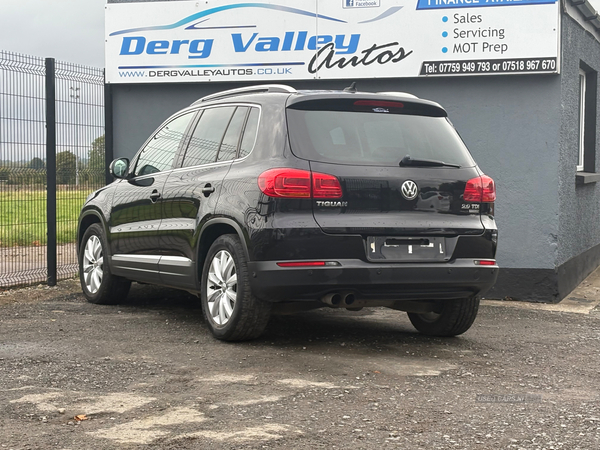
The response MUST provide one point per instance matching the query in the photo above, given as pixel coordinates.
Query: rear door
(402, 168)
(192, 191)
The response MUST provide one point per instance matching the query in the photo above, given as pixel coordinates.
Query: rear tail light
(325, 186)
(480, 189)
(296, 183)
(495, 237)
(291, 183)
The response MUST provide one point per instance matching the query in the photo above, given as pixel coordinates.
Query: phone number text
(491, 66)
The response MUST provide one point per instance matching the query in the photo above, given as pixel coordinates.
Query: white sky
(69, 30)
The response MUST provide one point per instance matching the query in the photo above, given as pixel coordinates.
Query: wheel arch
(210, 232)
(87, 219)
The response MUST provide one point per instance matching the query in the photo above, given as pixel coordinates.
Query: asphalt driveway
(148, 374)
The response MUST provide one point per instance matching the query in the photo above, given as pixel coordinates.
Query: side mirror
(119, 167)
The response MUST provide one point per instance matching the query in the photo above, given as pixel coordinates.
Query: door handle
(154, 196)
(208, 189)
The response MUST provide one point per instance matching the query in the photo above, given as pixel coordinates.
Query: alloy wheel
(93, 262)
(221, 288)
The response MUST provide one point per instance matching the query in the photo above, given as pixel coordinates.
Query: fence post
(51, 169)
(108, 130)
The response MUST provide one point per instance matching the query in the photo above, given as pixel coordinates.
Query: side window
(582, 86)
(231, 139)
(159, 153)
(588, 94)
(206, 140)
(249, 133)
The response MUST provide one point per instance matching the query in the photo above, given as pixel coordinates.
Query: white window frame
(581, 154)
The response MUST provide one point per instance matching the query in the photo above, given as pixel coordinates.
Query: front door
(137, 206)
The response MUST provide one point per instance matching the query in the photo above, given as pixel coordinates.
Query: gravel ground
(147, 374)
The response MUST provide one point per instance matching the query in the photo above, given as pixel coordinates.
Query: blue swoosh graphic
(208, 12)
(426, 4)
(389, 12)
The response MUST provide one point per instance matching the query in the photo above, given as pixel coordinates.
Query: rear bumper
(407, 281)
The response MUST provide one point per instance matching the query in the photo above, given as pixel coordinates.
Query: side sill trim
(144, 259)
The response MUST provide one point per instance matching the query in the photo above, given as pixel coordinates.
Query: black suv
(266, 197)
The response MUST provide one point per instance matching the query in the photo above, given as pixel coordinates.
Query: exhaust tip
(349, 299)
(332, 299)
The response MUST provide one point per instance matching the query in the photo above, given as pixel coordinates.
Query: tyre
(231, 311)
(98, 284)
(454, 318)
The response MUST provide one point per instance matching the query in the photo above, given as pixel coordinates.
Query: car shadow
(369, 328)
(148, 296)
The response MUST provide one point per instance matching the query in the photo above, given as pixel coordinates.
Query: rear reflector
(301, 264)
(297, 183)
(308, 263)
(480, 190)
(485, 262)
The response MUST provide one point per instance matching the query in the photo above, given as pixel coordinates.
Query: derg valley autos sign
(226, 40)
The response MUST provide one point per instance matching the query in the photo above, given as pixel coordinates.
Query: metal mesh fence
(23, 175)
(22, 169)
(79, 152)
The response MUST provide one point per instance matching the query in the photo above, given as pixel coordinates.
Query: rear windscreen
(376, 134)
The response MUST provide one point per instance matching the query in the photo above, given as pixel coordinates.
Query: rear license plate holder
(407, 249)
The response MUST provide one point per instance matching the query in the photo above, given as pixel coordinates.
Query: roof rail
(279, 88)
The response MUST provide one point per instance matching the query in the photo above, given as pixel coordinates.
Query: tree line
(69, 171)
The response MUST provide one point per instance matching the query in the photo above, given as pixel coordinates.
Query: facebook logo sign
(366, 3)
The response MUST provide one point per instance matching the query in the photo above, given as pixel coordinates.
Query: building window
(586, 157)
(582, 86)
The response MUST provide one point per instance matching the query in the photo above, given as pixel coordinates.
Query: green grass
(23, 217)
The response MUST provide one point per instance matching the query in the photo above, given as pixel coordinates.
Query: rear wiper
(408, 161)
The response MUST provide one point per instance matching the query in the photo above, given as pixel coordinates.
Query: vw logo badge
(409, 190)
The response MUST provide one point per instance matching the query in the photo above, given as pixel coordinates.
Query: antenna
(351, 88)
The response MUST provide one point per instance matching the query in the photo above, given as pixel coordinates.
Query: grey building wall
(579, 205)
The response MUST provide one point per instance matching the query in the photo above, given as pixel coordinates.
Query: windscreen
(374, 133)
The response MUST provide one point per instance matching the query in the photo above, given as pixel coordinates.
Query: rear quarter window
(250, 133)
